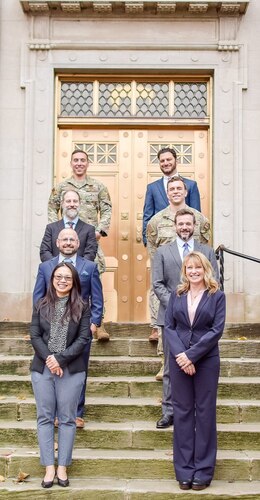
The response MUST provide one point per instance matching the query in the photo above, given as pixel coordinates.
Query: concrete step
(133, 387)
(118, 489)
(138, 330)
(109, 409)
(125, 365)
(130, 435)
(129, 464)
(134, 347)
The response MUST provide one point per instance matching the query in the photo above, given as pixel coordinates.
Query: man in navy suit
(91, 290)
(167, 265)
(156, 194)
(156, 200)
(70, 204)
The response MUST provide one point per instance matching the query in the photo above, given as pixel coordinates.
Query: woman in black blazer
(60, 330)
(194, 323)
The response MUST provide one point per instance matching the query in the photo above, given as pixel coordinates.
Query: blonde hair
(198, 258)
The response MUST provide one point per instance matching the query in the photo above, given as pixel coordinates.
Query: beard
(185, 236)
(71, 212)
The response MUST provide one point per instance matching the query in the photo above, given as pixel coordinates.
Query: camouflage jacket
(95, 207)
(161, 229)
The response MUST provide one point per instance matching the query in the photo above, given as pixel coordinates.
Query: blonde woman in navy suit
(194, 323)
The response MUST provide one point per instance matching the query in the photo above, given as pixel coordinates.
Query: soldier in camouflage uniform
(161, 227)
(95, 205)
(161, 230)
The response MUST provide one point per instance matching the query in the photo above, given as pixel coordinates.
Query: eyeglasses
(67, 240)
(60, 277)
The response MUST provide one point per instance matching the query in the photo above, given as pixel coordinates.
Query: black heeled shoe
(47, 484)
(63, 482)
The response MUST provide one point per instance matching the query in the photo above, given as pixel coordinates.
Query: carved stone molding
(138, 7)
(39, 46)
(198, 8)
(70, 7)
(230, 8)
(166, 7)
(102, 7)
(134, 7)
(36, 7)
(228, 47)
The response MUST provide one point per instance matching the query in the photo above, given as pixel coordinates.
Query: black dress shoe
(198, 485)
(164, 422)
(63, 482)
(47, 484)
(185, 485)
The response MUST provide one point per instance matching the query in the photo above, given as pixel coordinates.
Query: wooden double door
(125, 161)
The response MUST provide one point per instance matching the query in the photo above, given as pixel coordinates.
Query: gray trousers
(167, 409)
(56, 396)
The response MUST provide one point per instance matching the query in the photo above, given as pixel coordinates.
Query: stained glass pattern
(190, 100)
(114, 100)
(152, 99)
(100, 153)
(184, 152)
(134, 99)
(76, 99)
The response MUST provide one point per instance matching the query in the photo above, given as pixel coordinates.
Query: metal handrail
(219, 252)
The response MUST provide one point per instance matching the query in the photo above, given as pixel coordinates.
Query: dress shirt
(65, 220)
(180, 244)
(71, 257)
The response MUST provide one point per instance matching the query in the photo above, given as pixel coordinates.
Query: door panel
(125, 161)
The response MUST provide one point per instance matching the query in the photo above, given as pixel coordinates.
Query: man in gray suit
(167, 265)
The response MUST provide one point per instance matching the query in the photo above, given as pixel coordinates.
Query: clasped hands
(53, 365)
(185, 363)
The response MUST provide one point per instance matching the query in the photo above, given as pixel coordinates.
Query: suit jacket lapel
(162, 190)
(57, 228)
(79, 264)
(78, 226)
(184, 305)
(203, 301)
(175, 253)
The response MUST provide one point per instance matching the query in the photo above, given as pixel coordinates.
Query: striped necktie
(186, 250)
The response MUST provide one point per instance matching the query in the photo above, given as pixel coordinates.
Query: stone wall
(34, 47)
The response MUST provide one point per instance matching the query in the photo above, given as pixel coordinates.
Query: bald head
(67, 242)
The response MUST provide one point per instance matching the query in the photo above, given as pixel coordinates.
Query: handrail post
(220, 257)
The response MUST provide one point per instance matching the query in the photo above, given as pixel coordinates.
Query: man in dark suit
(91, 290)
(156, 195)
(167, 265)
(70, 219)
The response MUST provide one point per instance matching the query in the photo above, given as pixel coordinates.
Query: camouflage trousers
(100, 259)
(154, 308)
(101, 264)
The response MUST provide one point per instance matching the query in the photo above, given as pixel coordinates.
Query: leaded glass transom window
(76, 99)
(100, 153)
(114, 99)
(152, 99)
(190, 100)
(184, 152)
(138, 99)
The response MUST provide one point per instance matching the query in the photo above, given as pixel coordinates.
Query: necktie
(70, 224)
(186, 250)
(68, 260)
